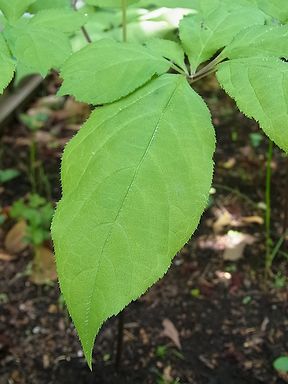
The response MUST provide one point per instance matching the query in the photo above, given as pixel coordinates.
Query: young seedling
(136, 178)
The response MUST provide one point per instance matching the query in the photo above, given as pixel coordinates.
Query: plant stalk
(33, 165)
(124, 20)
(120, 337)
(285, 218)
(268, 208)
(83, 29)
(208, 67)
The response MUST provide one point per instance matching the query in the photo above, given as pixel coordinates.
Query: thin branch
(83, 29)
(200, 76)
(210, 65)
(207, 70)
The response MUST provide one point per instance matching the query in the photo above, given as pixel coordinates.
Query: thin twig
(199, 77)
(208, 67)
(268, 206)
(285, 218)
(120, 337)
(83, 29)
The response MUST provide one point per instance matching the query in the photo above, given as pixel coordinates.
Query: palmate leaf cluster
(136, 178)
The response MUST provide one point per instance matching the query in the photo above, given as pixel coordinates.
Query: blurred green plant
(37, 212)
(161, 351)
(256, 138)
(281, 364)
(7, 175)
(38, 178)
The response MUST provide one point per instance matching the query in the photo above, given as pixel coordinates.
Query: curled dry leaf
(15, 238)
(171, 332)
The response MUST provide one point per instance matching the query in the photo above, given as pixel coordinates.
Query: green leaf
(260, 40)
(105, 71)
(136, 180)
(109, 3)
(38, 49)
(275, 8)
(8, 175)
(203, 35)
(4, 49)
(260, 88)
(281, 364)
(65, 21)
(7, 71)
(7, 65)
(171, 50)
(14, 9)
(40, 5)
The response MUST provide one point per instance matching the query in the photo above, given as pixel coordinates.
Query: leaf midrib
(87, 319)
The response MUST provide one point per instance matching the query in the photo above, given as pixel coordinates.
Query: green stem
(276, 249)
(124, 20)
(203, 71)
(45, 181)
(201, 76)
(268, 260)
(33, 164)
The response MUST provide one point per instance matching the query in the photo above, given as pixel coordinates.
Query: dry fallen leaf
(171, 332)
(44, 267)
(15, 239)
(225, 218)
(6, 256)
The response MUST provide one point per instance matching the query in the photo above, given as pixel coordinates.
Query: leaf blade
(202, 35)
(260, 40)
(65, 21)
(6, 63)
(14, 9)
(90, 79)
(38, 49)
(147, 205)
(251, 82)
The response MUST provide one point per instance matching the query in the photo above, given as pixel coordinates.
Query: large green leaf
(7, 65)
(40, 5)
(38, 49)
(14, 9)
(260, 88)
(109, 3)
(64, 21)
(204, 34)
(275, 8)
(105, 71)
(136, 180)
(260, 40)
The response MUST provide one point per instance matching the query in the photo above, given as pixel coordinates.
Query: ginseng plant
(136, 178)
